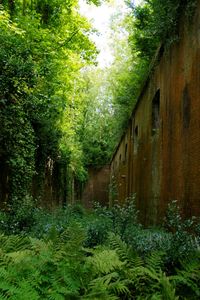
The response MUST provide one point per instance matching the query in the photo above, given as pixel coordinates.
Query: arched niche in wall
(136, 138)
(155, 118)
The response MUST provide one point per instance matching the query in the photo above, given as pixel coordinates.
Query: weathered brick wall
(51, 190)
(97, 187)
(163, 163)
(181, 120)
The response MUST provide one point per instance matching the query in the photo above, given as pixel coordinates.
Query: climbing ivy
(17, 136)
(155, 22)
(18, 149)
(41, 55)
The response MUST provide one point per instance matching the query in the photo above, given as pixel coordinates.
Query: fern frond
(125, 252)
(103, 287)
(185, 283)
(74, 236)
(120, 246)
(4, 275)
(7, 287)
(144, 272)
(4, 259)
(99, 296)
(56, 296)
(105, 261)
(39, 246)
(19, 256)
(136, 262)
(104, 280)
(156, 296)
(167, 288)
(3, 297)
(25, 288)
(98, 289)
(192, 265)
(14, 243)
(68, 279)
(63, 291)
(188, 278)
(154, 261)
(120, 287)
(184, 280)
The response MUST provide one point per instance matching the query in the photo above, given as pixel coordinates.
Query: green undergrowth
(104, 254)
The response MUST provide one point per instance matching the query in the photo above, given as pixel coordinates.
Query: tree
(41, 55)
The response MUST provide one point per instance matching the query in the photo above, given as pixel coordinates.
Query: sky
(100, 18)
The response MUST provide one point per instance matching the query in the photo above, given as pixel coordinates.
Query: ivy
(157, 22)
(18, 149)
(40, 57)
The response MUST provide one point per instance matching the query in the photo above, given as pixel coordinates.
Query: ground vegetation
(70, 254)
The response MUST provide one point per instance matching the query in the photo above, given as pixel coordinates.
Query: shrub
(97, 232)
(183, 240)
(121, 217)
(124, 216)
(19, 217)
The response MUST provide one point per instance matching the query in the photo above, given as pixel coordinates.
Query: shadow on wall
(97, 187)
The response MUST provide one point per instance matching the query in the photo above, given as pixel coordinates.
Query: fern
(101, 287)
(120, 246)
(7, 285)
(149, 281)
(25, 288)
(3, 297)
(61, 268)
(56, 296)
(187, 279)
(120, 287)
(4, 259)
(144, 278)
(154, 261)
(14, 243)
(168, 290)
(100, 296)
(108, 272)
(18, 256)
(125, 252)
(106, 261)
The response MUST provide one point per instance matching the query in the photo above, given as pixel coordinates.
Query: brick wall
(162, 141)
(97, 187)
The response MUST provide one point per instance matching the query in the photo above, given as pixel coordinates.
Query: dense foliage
(106, 255)
(44, 45)
(157, 22)
(57, 113)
